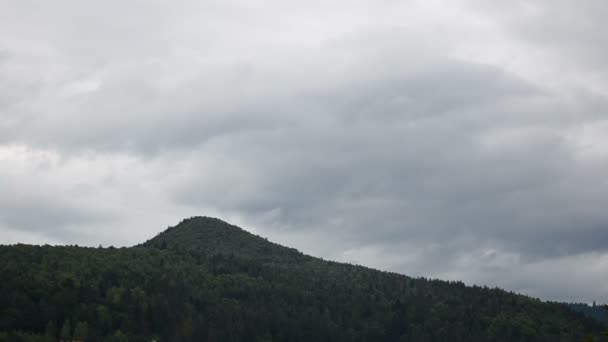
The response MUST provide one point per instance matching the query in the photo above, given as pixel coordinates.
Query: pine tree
(66, 331)
(50, 332)
(81, 331)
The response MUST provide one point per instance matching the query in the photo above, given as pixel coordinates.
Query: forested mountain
(206, 280)
(597, 312)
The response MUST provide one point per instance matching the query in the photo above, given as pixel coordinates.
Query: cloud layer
(461, 141)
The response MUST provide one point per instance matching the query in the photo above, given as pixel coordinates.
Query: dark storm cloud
(433, 140)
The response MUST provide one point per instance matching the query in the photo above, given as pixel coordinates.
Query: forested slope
(206, 280)
(599, 312)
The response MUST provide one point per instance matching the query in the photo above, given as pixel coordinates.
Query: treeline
(597, 312)
(171, 289)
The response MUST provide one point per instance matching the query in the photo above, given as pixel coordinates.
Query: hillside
(599, 312)
(206, 280)
(213, 236)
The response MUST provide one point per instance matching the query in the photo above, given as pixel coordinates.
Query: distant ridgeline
(207, 280)
(597, 312)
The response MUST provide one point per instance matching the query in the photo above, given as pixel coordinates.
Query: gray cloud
(434, 141)
(570, 28)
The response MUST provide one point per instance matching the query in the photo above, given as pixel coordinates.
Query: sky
(463, 140)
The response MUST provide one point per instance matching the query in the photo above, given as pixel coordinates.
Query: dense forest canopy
(206, 280)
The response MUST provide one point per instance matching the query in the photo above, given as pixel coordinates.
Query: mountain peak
(214, 236)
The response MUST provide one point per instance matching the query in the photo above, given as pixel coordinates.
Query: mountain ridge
(207, 280)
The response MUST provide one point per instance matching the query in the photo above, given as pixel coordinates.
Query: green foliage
(66, 331)
(50, 332)
(205, 280)
(118, 336)
(214, 236)
(81, 331)
(597, 312)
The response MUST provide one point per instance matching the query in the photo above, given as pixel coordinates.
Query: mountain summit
(207, 280)
(214, 236)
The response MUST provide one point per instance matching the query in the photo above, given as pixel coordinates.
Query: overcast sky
(453, 139)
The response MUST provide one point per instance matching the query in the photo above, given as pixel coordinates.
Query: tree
(118, 336)
(81, 331)
(66, 331)
(50, 332)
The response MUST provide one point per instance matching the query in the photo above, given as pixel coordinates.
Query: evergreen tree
(50, 332)
(66, 331)
(81, 331)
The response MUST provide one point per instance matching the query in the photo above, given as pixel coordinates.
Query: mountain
(207, 280)
(213, 236)
(597, 312)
